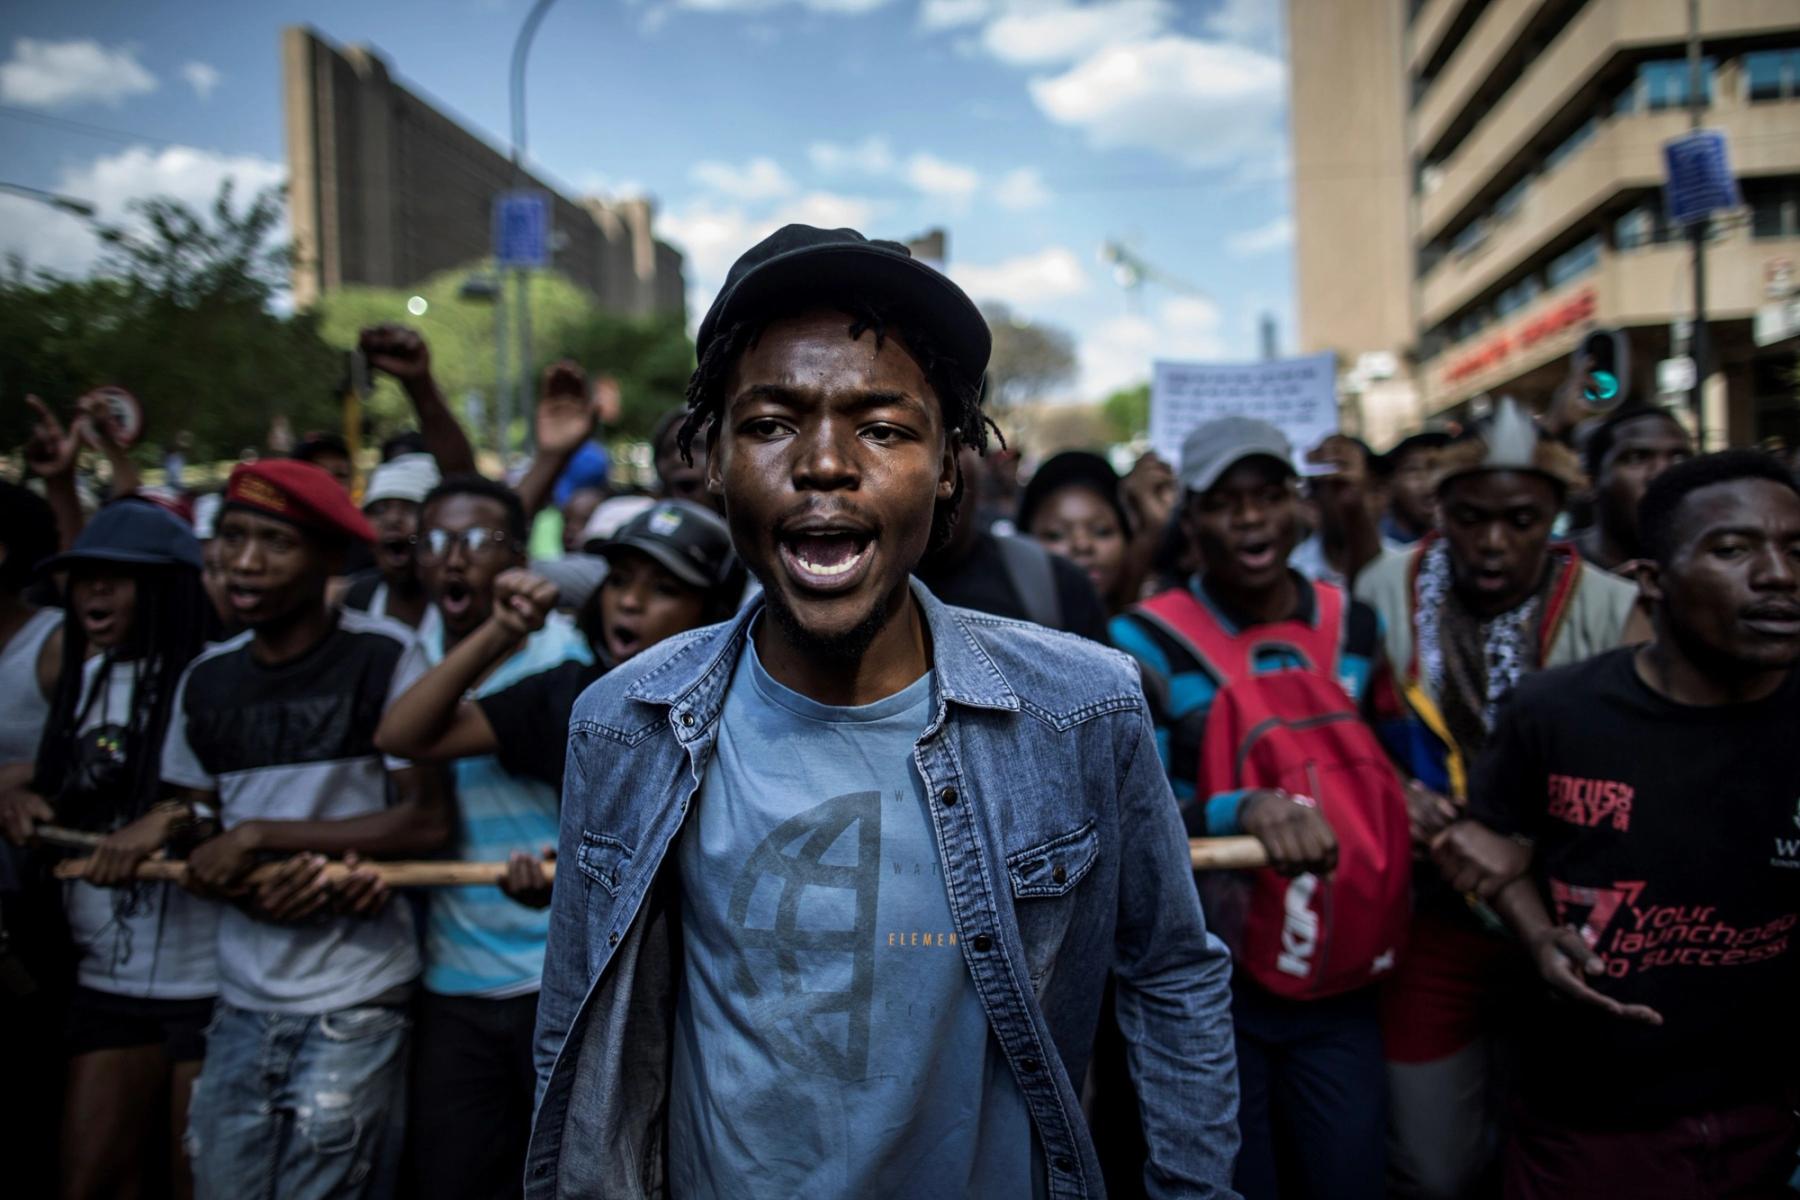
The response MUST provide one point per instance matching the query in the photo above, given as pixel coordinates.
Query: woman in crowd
(1075, 506)
(145, 952)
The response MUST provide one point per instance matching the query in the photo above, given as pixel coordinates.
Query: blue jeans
(299, 1106)
(1314, 1096)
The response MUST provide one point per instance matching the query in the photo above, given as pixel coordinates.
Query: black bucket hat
(797, 262)
(133, 532)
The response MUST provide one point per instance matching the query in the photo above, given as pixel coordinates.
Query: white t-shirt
(151, 941)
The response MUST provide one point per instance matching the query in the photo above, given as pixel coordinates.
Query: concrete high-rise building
(385, 189)
(1530, 193)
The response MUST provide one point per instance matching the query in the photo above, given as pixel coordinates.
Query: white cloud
(948, 14)
(1202, 103)
(594, 183)
(758, 179)
(941, 178)
(55, 241)
(202, 77)
(1020, 189)
(1053, 273)
(872, 156)
(712, 235)
(1253, 23)
(1117, 353)
(830, 6)
(52, 74)
(1040, 34)
(1278, 234)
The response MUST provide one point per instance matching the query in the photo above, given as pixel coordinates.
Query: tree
(651, 357)
(1127, 412)
(180, 314)
(1028, 359)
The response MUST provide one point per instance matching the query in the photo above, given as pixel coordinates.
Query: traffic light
(1602, 369)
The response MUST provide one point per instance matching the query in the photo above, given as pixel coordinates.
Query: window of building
(1774, 207)
(1511, 199)
(1512, 299)
(1772, 75)
(1575, 141)
(1574, 262)
(1469, 237)
(1662, 84)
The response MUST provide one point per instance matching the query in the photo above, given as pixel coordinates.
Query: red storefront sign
(1573, 311)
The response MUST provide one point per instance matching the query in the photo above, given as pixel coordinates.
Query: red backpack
(1296, 729)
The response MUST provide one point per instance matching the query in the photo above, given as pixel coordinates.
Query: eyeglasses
(437, 543)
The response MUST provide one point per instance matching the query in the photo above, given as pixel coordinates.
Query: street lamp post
(1697, 347)
(522, 49)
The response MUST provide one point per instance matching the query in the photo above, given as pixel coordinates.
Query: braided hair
(168, 626)
(959, 400)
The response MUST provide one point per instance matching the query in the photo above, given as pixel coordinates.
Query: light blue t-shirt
(478, 941)
(829, 1041)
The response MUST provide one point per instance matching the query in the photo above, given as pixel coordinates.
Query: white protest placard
(1296, 395)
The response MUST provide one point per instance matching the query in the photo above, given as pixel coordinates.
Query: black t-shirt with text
(1669, 835)
(531, 720)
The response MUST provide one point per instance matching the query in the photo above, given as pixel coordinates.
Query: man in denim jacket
(843, 878)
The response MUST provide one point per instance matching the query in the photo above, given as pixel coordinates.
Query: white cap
(611, 516)
(403, 477)
(206, 515)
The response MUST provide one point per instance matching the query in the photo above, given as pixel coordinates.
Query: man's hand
(398, 351)
(1295, 835)
(295, 890)
(20, 811)
(1149, 492)
(1428, 812)
(219, 864)
(525, 880)
(522, 601)
(566, 417)
(116, 858)
(51, 452)
(1563, 957)
(1473, 858)
(362, 892)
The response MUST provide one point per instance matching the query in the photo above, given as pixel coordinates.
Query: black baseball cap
(691, 541)
(798, 262)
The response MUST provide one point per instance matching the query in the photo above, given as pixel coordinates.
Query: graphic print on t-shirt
(805, 907)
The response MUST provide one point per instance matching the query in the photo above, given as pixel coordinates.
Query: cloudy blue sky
(1033, 130)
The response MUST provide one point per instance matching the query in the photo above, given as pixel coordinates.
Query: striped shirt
(478, 941)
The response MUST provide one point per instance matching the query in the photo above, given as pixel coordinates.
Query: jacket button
(612, 939)
(1028, 1065)
(687, 720)
(948, 796)
(1063, 1163)
(983, 943)
(1060, 874)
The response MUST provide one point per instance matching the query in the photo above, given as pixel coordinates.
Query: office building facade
(1533, 135)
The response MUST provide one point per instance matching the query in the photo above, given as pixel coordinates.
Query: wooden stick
(1206, 854)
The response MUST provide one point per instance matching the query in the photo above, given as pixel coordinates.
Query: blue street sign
(1698, 179)
(522, 229)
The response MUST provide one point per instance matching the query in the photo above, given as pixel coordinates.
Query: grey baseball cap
(1219, 445)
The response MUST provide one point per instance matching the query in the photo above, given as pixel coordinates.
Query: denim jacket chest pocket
(1044, 879)
(604, 862)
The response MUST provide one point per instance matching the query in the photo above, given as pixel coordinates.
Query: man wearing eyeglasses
(484, 955)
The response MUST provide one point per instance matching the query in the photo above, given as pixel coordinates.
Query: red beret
(299, 493)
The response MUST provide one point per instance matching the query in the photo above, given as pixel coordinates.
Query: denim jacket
(1063, 855)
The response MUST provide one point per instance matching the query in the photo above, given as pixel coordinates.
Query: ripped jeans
(297, 1106)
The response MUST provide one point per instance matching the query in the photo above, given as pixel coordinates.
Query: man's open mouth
(456, 598)
(1256, 554)
(242, 598)
(826, 558)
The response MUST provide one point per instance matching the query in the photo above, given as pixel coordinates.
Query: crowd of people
(839, 798)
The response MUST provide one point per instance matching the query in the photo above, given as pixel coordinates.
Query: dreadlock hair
(958, 399)
(167, 631)
(28, 533)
